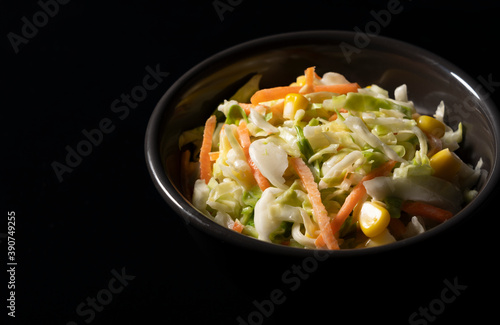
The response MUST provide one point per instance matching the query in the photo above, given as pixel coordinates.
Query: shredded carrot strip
(214, 155)
(244, 137)
(206, 147)
(309, 73)
(426, 210)
(309, 86)
(265, 95)
(319, 209)
(268, 94)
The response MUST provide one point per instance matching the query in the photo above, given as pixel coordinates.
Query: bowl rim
(193, 217)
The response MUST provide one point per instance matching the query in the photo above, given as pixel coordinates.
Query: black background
(106, 214)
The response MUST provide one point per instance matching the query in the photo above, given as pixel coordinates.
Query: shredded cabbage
(414, 227)
(359, 127)
(261, 122)
(429, 189)
(271, 160)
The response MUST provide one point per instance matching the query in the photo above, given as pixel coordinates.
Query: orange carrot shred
(244, 137)
(268, 94)
(309, 86)
(206, 147)
(214, 155)
(309, 73)
(319, 209)
(426, 210)
(265, 95)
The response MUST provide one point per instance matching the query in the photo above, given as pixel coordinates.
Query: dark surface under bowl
(385, 62)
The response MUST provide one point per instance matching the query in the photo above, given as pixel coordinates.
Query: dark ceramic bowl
(280, 58)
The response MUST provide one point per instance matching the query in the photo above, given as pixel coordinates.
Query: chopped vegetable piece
(373, 219)
(430, 125)
(383, 238)
(206, 147)
(234, 114)
(303, 143)
(319, 209)
(426, 210)
(245, 145)
(446, 164)
(238, 226)
(294, 102)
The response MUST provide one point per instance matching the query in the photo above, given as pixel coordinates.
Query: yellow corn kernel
(431, 125)
(383, 238)
(373, 219)
(293, 103)
(301, 80)
(446, 164)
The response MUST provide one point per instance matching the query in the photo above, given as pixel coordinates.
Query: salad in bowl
(326, 163)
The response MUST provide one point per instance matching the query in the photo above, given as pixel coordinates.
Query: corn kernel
(294, 103)
(301, 80)
(445, 164)
(373, 219)
(431, 125)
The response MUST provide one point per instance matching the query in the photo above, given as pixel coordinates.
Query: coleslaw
(326, 163)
